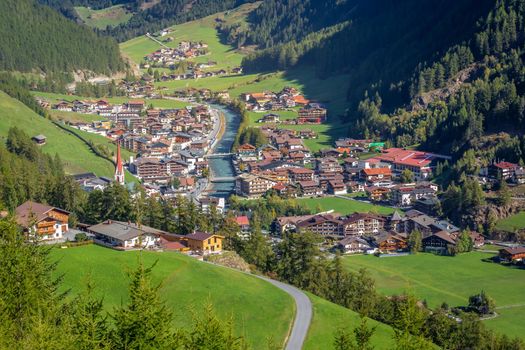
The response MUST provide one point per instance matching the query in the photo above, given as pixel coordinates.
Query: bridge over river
(222, 181)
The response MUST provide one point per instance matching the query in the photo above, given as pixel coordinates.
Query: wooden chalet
(512, 254)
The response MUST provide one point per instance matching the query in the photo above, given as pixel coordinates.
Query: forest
(35, 38)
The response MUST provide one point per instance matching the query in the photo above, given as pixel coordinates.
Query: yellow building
(204, 242)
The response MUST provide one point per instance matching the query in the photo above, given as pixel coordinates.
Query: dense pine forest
(36, 38)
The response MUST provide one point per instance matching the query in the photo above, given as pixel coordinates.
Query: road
(303, 314)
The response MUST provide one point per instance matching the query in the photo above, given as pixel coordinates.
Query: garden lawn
(512, 223)
(329, 317)
(438, 279)
(343, 206)
(260, 310)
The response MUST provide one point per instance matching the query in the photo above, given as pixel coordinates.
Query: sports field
(343, 206)
(438, 279)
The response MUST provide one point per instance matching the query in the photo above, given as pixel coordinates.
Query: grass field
(259, 309)
(74, 153)
(110, 16)
(512, 223)
(440, 279)
(343, 206)
(328, 317)
(198, 30)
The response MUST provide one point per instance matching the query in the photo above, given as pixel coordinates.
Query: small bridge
(218, 155)
(222, 179)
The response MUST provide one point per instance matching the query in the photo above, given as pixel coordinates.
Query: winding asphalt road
(303, 314)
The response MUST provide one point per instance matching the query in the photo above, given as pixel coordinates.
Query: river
(223, 167)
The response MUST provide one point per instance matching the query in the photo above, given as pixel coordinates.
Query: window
(215, 240)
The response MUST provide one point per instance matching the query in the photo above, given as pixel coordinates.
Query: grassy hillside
(329, 317)
(74, 153)
(259, 309)
(328, 91)
(440, 279)
(512, 223)
(100, 19)
(203, 29)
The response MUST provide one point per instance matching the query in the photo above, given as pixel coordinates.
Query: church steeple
(119, 168)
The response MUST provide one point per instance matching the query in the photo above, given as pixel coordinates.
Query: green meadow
(343, 206)
(186, 284)
(512, 223)
(74, 153)
(439, 279)
(110, 16)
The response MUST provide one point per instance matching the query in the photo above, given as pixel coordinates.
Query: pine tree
(145, 321)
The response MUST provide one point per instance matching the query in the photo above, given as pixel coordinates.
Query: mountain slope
(34, 37)
(379, 45)
(74, 153)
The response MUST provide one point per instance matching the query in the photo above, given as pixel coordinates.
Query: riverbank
(223, 167)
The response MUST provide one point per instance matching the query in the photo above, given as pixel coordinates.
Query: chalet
(300, 174)
(204, 243)
(439, 242)
(247, 150)
(136, 105)
(428, 205)
(322, 224)
(377, 194)
(122, 235)
(186, 183)
(252, 186)
(502, 170)
(207, 202)
(363, 224)
(355, 245)
(313, 113)
(310, 188)
(377, 176)
(328, 165)
(512, 254)
(288, 223)
(43, 221)
(388, 242)
(336, 187)
(519, 176)
(39, 139)
(407, 195)
(243, 222)
(269, 118)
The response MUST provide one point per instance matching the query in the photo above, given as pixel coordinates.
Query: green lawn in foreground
(343, 206)
(440, 279)
(110, 16)
(512, 223)
(260, 310)
(329, 317)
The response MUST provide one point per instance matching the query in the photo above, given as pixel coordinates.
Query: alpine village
(262, 174)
